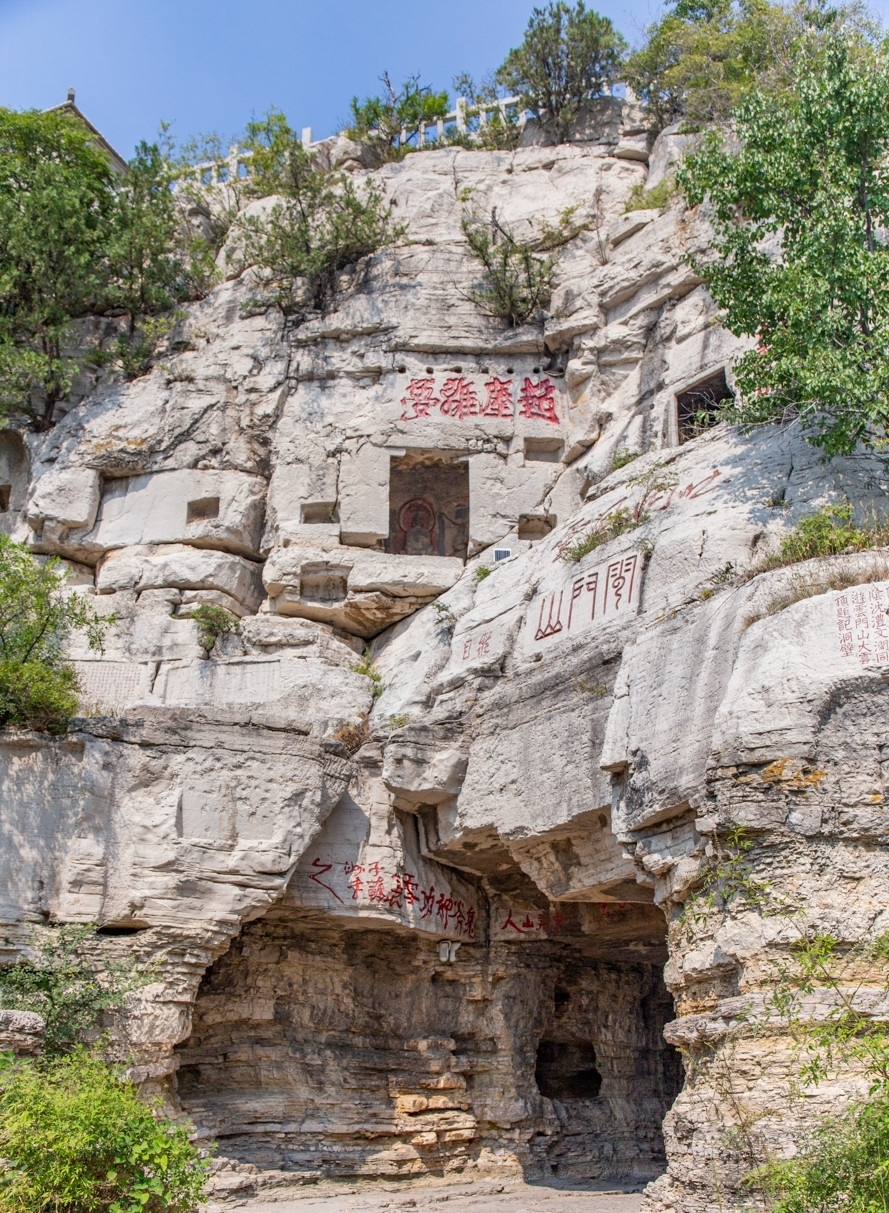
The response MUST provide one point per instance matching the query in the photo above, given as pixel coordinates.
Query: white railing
(236, 166)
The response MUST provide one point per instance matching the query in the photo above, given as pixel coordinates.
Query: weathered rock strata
(423, 929)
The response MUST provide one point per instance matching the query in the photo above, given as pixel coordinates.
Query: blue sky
(208, 65)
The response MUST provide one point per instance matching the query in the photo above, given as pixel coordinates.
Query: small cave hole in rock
(318, 512)
(543, 450)
(123, 928)
(202, 510)
(698, 407)
(428, 505)
(565, 1070)
(13, 475)
(534, 526)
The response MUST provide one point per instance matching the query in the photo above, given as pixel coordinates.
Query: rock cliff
(412, 910)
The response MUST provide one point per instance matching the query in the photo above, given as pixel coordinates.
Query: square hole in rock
(5, 495)
(202, 510)
(319, 512)
(535, 526)
(324, 585)
(428, 506)
(697, 408)
(543, 450)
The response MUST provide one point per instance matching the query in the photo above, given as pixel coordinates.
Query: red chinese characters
(498, 402)
(595, 594)
(458, 398)
(399, 891)
(420, 399)
(538, 400)
(862, 626)
(524, 922)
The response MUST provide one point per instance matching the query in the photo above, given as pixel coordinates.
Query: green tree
(700, 60)
(154, 261)
(800, 260)
(38, 686)
(76, 1138)
(323, 225)
(61, 985)
(388, 123)
(56, 196)
(517, 282)
(568, 55)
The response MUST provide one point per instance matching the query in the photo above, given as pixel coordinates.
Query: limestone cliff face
(420, 922)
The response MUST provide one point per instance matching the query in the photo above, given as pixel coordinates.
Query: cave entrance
(336, 1048)
(698, 407)
(428, 505)
(567, 1070)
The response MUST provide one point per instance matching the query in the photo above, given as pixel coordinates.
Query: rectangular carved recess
(543, 450)
(202, 510)
(319, 512)
(428, 507)
(5, 494)
(697, 408)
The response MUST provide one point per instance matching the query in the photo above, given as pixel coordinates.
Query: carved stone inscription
(587, 599)
(862, 624)
(460, 399)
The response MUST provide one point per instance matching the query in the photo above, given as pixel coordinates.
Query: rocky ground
(450, 1197)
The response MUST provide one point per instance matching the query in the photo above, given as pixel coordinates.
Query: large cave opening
(333, 1048)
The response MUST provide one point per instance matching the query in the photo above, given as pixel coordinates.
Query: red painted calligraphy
(538, 401)
(619, 582)
(458, 399)
(498, 402)
(553, 626)
(420, 397)
(322, 870)
(353, 873)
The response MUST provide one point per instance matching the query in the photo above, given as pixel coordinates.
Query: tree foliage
(700, 60)
(568, 55)
(37, 684)
(77, 240)
(801, 262)
(388, 123)
(62, 984)
(324, 224)
(501, 131)
(517, 281)
(76, 1138)
(56, 200)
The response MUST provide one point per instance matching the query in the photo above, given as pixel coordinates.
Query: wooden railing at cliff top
(236, 166)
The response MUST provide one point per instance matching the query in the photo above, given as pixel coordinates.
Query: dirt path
(483, 1196)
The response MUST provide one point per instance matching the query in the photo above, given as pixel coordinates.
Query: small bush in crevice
(651, 483)
(368, 667)
(829, 531)
(620, 457)
(659, 197)
(323, 227)
(76, 1138)
(354, 736)
(517, 283)
(617, 523)
(38, 686)
(213, 621)
(67, 987)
